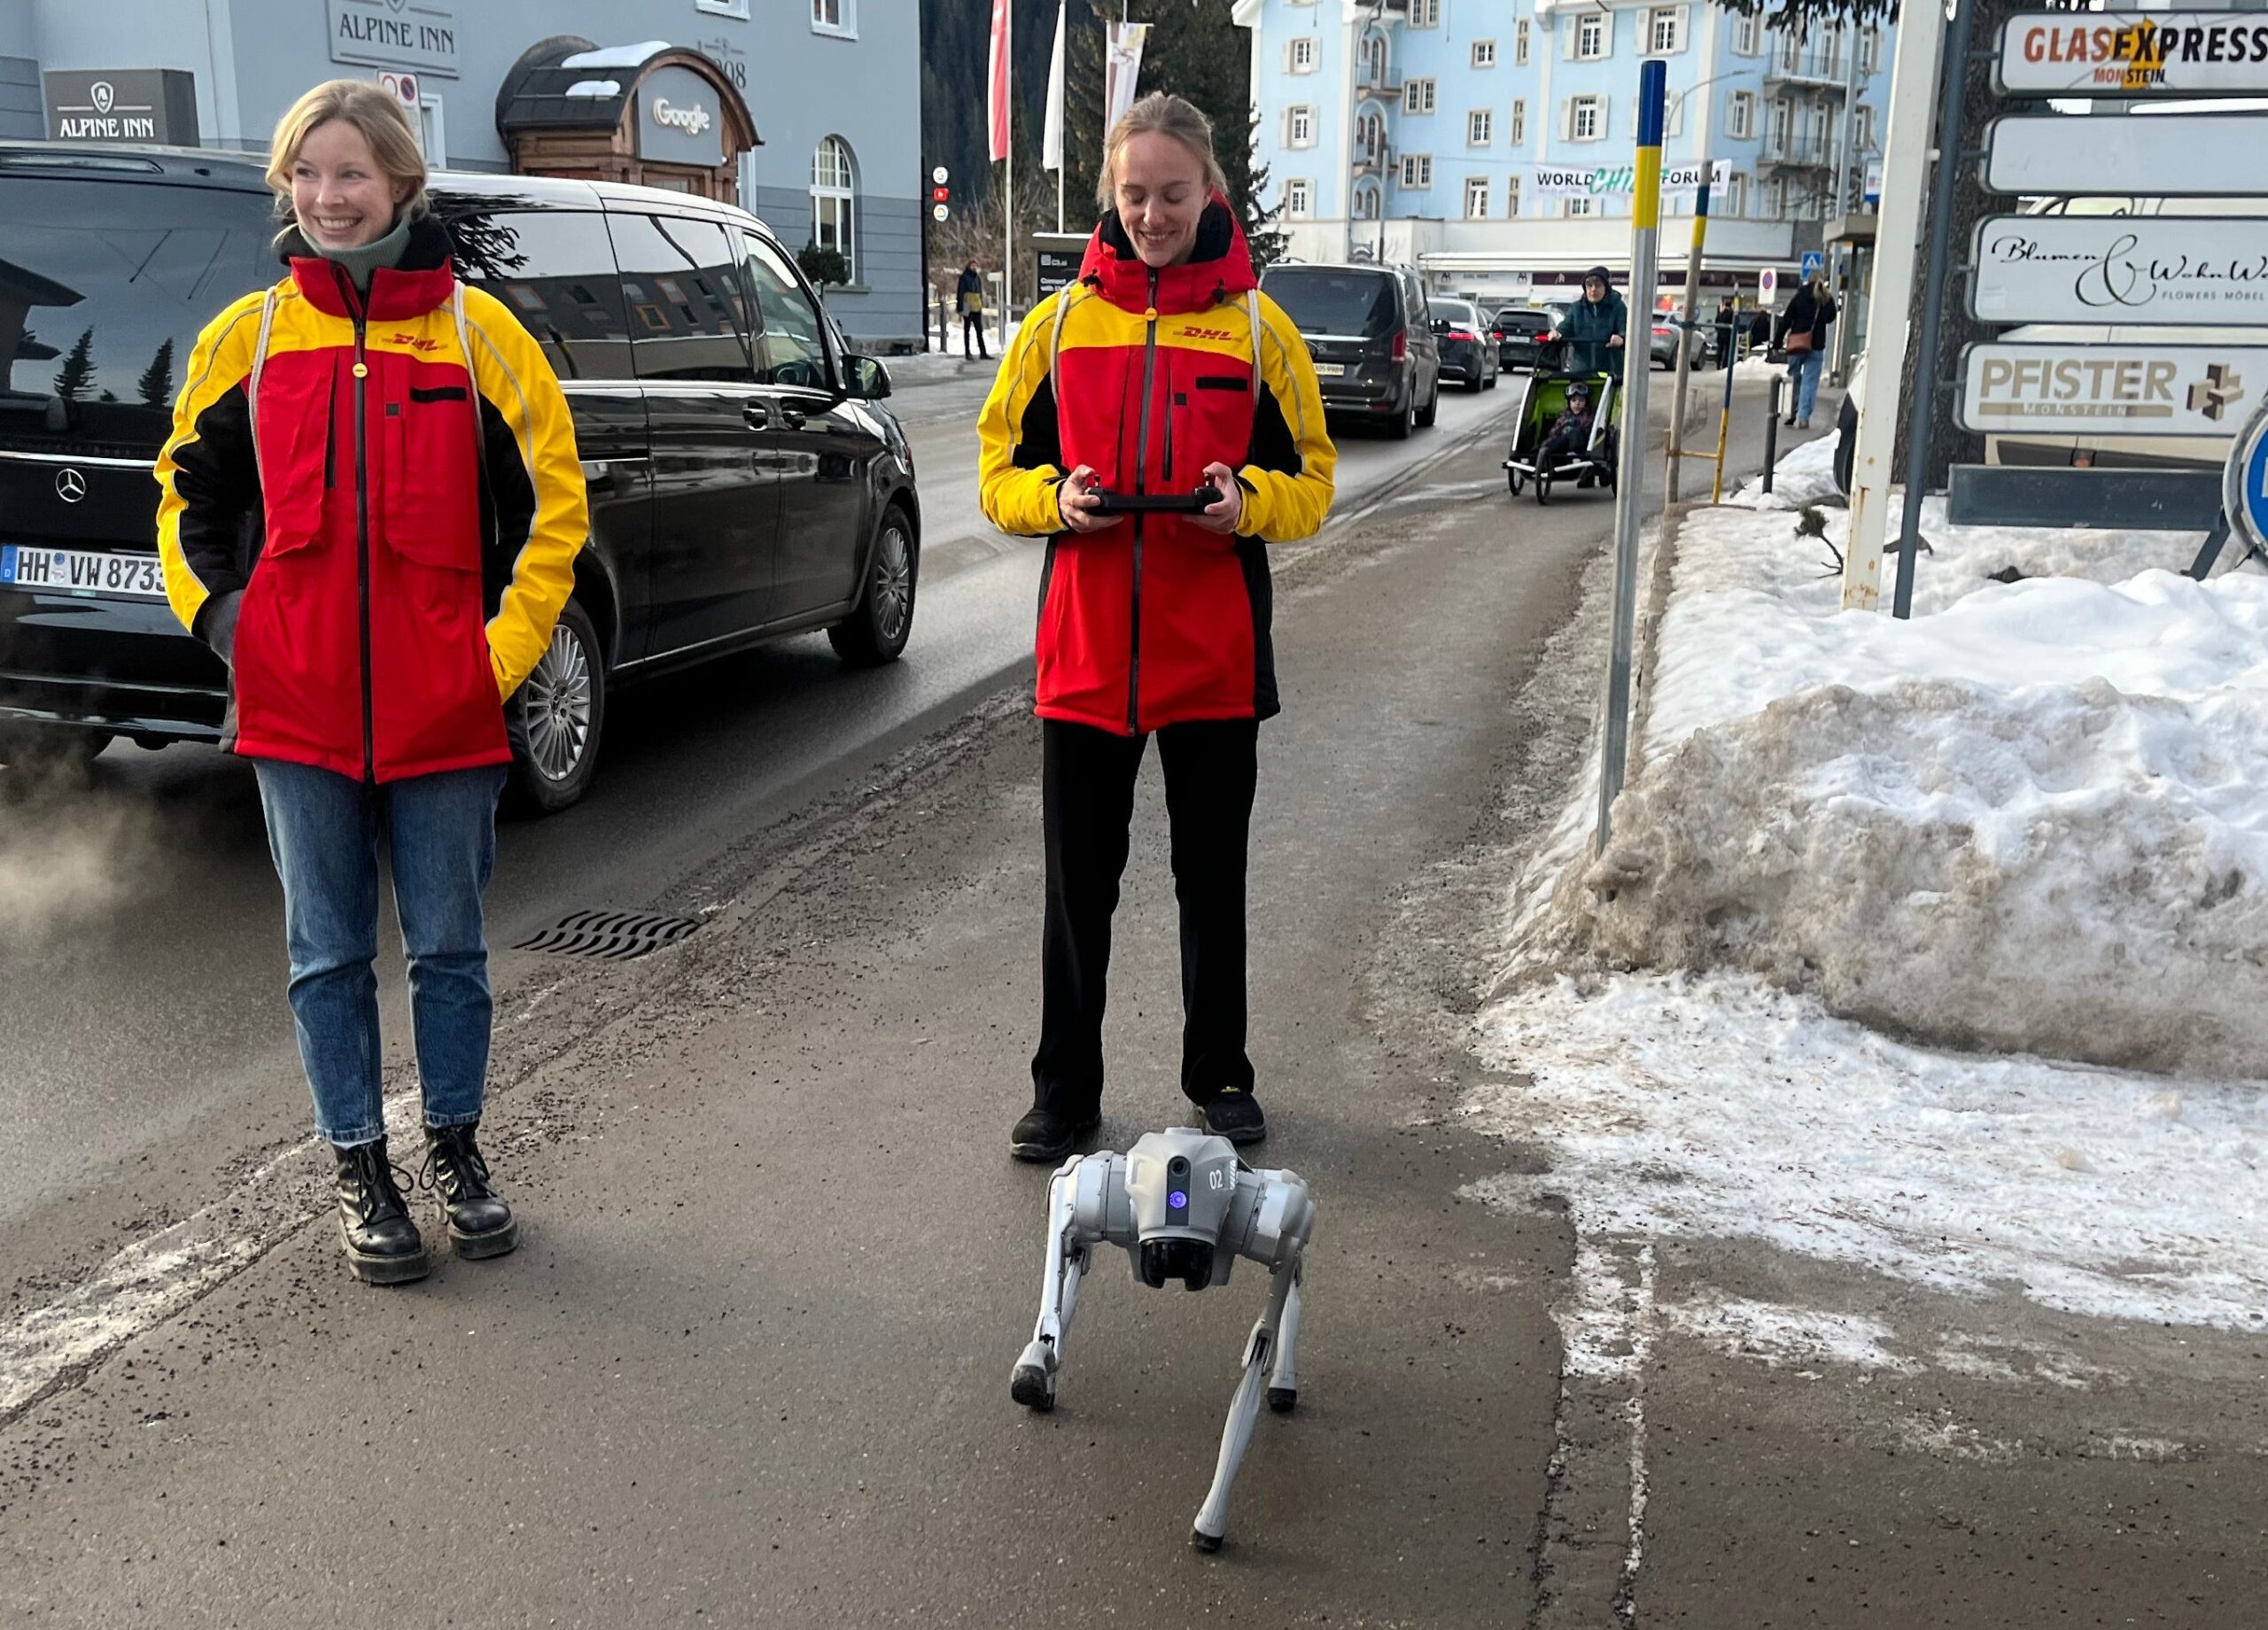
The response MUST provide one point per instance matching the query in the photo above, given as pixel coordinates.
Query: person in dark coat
(1595, 327)
(969, 294)
(1727, 331)
(1804, 334)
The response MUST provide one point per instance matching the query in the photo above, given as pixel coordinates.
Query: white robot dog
(1186, 1208)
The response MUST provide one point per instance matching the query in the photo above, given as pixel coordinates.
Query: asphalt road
(148, 1052)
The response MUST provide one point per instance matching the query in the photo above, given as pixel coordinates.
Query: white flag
(1051, 143)
(1122, 67)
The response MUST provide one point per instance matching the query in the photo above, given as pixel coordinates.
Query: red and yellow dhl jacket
(390, 484)
(1149, 376)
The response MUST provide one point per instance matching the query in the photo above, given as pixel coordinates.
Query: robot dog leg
(1184, 1207)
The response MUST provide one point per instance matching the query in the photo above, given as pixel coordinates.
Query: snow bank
(2031, 821)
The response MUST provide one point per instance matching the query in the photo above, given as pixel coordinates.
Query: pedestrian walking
(1163, 368)
(1759, 331)
(370, 508)
(1728, 333)
(1594, 327)
(970, 294)
(1804, 337)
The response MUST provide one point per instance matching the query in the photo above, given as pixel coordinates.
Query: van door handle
(756, 415)
(792, 419)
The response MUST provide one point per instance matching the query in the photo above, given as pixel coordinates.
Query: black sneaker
(1235, 1114)
(1043, 1135)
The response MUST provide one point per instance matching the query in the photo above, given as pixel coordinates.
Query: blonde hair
(1159, 113)
(377, 112)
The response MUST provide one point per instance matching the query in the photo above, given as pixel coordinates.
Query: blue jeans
(325, 831)
(1803, 373)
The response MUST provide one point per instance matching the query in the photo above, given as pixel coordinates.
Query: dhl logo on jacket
(390, 483)
(1150, 376)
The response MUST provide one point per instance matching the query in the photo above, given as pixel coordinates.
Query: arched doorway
(652, 114)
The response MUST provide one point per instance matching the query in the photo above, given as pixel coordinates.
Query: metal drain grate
(618, 936)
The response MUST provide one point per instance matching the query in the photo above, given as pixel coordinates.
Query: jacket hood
(1219, 268)
(422, 281)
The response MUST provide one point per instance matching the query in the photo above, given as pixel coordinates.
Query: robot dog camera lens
(1176, 1165)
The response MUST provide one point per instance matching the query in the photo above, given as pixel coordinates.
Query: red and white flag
(996, 82)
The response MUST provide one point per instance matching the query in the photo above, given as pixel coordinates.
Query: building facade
(830, 92)
(1489, 141)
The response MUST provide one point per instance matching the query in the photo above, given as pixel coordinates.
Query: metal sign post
(1630, 479)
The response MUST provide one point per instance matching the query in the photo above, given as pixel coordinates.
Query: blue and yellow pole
(1629, 486)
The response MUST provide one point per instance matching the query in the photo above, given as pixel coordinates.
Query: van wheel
(1398, 426)
(1433, 409)
(878, 627)
(555, 720)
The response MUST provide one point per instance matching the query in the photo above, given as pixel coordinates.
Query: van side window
(555, 271)
(683, 283)
(788, 348)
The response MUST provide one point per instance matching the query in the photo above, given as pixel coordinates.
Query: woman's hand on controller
(1076, 501)
(1222, 516)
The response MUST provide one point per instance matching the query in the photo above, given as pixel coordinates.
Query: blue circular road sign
(2244, 488)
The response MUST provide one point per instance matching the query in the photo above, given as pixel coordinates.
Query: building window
(1416, 172)
(1366, 203)
(836, 16)
(432, 132)
(834, 201)
(1299, 200)
(1303, 54)
(1748, 36)
(1480, 128)
(1520, 122)
(1512, 196)
(1370, 137)
(1425, 13)
(1870, 50)
(1519, 45)
(1866, 128)
(1578, 208)
(1665, 30)
(1740, 115)
(723, 8)
(1483, 53)
(1591, 37)
(1299, 131)
(1775, 199)
(1735, 197)
(1476, 197)
(1417, 97)
(1586, 119)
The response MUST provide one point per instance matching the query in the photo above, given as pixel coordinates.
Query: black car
(1468, 347)
(744, 482)
(1372, 332)
(1519, 329)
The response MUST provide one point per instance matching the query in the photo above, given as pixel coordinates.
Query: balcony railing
(1800, 151)
(1821, 69)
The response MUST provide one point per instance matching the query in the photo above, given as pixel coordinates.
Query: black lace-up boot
(480, 1223)
(382, 1245)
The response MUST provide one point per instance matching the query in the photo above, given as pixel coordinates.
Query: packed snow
(2026, 824)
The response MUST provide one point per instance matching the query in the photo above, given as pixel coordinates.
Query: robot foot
(1031, 1387)
(1204, 1542)
(1283, 1400)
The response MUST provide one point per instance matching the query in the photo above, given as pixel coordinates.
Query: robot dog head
(1181, 1185)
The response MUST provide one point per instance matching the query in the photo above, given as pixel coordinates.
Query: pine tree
(78, 371)
(156, 386)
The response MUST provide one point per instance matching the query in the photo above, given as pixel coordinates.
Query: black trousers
(1087, 796)
(972, 323)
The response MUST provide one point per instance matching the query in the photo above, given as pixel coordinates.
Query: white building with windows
(1489, 141)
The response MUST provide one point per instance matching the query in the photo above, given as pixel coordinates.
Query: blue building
(1489, 141)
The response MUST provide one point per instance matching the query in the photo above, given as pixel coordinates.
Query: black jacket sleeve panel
(508, 505)
(1273, 445)
(1039, 446)
(218, 479)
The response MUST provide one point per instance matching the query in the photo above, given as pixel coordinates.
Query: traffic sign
(1814, 263)
(2172, 155)
(2132, 54)
(2244, 491)
(2118, 269)
(1767, 284)
(940, 175)
(938, 212)
(2009, 388)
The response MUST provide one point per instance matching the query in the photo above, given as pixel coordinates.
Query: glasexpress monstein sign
(2131, 53)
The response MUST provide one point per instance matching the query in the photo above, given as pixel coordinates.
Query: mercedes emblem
(70, 485)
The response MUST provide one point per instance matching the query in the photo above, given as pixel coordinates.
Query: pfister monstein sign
(122, 105)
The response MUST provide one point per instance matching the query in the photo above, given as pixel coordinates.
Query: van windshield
(104, 286)
(1322, 301)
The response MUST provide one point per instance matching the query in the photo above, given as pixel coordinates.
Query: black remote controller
(1153, 503)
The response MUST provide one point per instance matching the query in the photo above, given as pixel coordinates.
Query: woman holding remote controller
(1159, 422)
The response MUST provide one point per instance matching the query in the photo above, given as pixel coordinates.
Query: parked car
(1370, 328)
(1517, 329)
(745, 482)
(1664, 349)
(1468, 346)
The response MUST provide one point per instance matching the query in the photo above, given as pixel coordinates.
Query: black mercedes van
(745, 482)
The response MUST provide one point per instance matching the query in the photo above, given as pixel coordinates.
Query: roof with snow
(568, 82)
